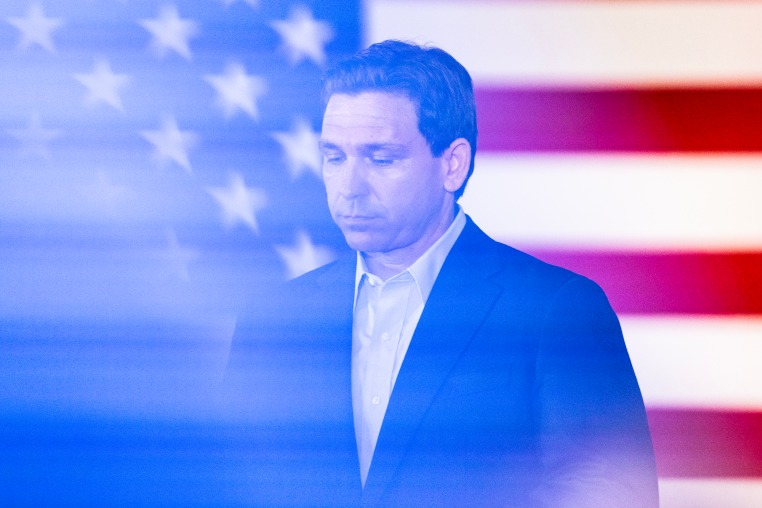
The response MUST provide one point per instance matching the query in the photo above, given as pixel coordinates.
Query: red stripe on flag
(697, 443)
(671, 283)
(648, 120)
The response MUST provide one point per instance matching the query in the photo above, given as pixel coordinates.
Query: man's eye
(333, 158)
(383, 161)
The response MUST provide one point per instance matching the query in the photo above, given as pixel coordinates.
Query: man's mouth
(351, 220)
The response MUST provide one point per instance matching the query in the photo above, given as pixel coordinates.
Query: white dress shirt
(385, 317)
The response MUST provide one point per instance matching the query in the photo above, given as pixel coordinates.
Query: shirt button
(386, 336)
(376, 400)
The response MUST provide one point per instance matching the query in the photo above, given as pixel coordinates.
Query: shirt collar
(426, 268)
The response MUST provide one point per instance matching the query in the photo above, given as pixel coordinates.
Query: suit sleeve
(595, 444)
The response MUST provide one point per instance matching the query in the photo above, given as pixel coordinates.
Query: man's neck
(384, 268)
(386, 265)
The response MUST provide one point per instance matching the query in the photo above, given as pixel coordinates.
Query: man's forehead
(369, 121)
(369, 104)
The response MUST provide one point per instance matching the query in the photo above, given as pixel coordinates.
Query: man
(435, 367)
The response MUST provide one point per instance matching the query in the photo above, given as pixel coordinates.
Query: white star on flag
(304, 36)
(170, 32)
(103, 85)
(302, 149)
(303, 255)
(36, 28)
(239, 203)
(178, 257)
(170, 143)
(34, 138)
(237, 90)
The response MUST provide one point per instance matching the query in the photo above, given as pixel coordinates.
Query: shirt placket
(387, 323)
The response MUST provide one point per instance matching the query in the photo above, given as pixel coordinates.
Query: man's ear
(457, 160)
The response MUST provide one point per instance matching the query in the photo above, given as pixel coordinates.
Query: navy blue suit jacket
(516, 390)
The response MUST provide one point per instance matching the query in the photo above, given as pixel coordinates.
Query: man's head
(397, 142)
(439, 87)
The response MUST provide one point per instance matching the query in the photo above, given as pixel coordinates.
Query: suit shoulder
(314, 278)
(533, 276)
(516, 264)
(556, 294)
(511, 268)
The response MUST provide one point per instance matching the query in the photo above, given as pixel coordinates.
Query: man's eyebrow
(374, 147)
(367, 148)
(327, 145)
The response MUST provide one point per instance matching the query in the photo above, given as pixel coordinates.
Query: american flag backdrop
(159, 166)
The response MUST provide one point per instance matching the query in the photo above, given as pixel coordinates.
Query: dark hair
(437, 84)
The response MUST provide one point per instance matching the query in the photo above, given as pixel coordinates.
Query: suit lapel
(337, 288)
(458, 303)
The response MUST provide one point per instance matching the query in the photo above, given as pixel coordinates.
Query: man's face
(386, 191)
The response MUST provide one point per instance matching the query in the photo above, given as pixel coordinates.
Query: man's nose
(353, 179)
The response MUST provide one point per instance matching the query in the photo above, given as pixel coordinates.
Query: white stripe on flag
(589, 43)
(653, 202)
(710, 493)
(697, 361)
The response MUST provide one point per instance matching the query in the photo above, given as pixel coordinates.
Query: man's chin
(363, 241)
